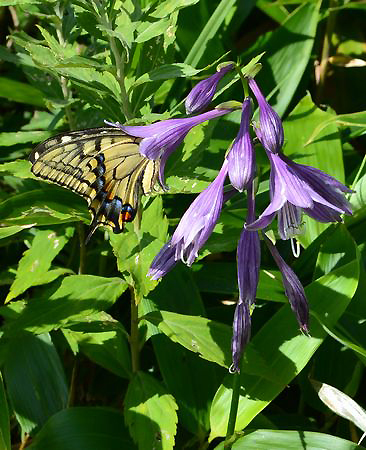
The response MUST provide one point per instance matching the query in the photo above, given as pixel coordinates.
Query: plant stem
(63, 81)
(233, 411)
(82, 248)
(134, 335)
(243, 81)
(120, 63)
(324, 62)
(120, 68)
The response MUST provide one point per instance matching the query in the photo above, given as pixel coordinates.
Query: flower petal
(202, 94)
(270, 132)
(241, 334)
(293, 288)
(241, 156)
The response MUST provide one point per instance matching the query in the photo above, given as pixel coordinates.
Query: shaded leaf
(35, 379)
(150, 408)
(87, 427)
(36, 261)
(76, 298)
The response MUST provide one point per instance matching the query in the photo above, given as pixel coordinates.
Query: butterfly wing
(104, 166)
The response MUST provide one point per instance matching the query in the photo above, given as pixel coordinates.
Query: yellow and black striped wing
(104, 166)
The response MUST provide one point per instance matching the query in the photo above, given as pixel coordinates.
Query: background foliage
(80, 367)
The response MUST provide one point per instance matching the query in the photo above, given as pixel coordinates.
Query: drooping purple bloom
(270, 130)
(295, 188)
(248, 261)
(194, 228)
(241, 156)
(241, 334)
(202, 94)
(293, 288)
(160, 139)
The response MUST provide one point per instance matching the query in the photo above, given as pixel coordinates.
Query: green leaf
(284, 350)
(149, 30)
(221, 277)
(290, 440)
(4, 419)
(22, 137)
(288, 51)
(166, 72)
(9, 231)
(136, 250)
(20, 169)
(77, 297)
(325, 153)
(168, 7)
(185, 375)
(36, 261)
(210, 339)
(209, 32)
(357, 119)
(84, 428)
(341, 404)
(103, 340)
(17, 91)
(23, 2)
(150, 408)
(43, 207)
(35, 379)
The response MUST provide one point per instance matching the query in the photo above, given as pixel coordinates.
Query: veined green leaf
(77, 297)
(36, 261)
(149, 407)
(34, 396)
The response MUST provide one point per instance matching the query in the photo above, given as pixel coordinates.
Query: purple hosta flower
(296, 188)
(270, 131)
(241, 334)
(293, 288)
(241, 157)
(194, 228)
(201, 95)
(248, 259)
(160, 139)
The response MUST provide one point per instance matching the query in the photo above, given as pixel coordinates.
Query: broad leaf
(150, 408)
(35, 379)
(89, 428)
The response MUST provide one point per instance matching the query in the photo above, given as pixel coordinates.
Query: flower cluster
(295, 189)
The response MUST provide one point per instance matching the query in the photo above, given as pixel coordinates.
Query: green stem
(63, 81)
(120, 68)
(82, 259)
(134, 335)
(358, 175)
(323, 68)
(243, 81)
(233, 411)
(120, 63)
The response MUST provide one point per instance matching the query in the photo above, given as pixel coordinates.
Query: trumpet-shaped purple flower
(295, 188)
(293, 288)
(160, 139)
(194, 228)
(270, 131)
(241, 157)
(201, 95)
(248, 259)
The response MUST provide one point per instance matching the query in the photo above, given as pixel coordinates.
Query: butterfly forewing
(104, 166)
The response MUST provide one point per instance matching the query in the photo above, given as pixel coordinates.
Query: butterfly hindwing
(104, 166)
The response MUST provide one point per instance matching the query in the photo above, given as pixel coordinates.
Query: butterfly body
(104, 166)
